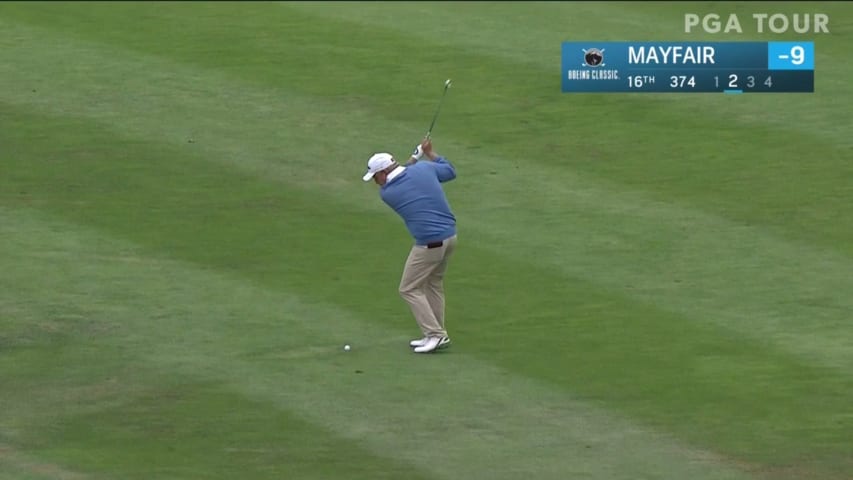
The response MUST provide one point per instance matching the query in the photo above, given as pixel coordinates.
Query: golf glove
(418, 152)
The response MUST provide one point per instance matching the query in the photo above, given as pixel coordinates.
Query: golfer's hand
(417, 154)
(426, 144)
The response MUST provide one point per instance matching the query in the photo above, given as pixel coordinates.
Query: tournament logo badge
(593, 57)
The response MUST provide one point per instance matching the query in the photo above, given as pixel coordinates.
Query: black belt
(435, 244)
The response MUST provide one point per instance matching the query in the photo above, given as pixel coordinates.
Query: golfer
(414, 192)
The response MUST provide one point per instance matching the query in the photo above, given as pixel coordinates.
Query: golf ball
(346, 348)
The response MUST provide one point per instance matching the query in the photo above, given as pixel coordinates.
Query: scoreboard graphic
(687, 67)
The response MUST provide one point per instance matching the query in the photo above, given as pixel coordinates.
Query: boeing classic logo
(593, 60)
(593, 57)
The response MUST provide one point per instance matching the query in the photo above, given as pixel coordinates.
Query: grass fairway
(646, 286)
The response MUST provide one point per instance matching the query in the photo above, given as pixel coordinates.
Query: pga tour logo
(775, 22)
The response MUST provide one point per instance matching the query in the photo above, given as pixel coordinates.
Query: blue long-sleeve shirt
(416, 195)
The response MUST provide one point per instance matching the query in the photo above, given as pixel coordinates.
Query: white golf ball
(346, 348)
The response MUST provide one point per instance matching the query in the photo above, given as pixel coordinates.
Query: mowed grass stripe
(697, 265)
(286, 239)
(449, 416)
(16, 466)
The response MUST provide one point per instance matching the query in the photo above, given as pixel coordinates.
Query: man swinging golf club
(414, 191)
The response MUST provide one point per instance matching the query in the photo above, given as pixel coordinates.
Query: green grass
(187, 244)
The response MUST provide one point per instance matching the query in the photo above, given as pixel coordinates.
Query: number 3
(750, 81)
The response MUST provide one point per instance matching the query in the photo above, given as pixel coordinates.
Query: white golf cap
(377, 163)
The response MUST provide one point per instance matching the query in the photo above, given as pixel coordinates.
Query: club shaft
(435, 117)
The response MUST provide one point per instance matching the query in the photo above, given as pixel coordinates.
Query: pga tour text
(764, 22)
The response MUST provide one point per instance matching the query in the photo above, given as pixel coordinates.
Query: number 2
(732, 80)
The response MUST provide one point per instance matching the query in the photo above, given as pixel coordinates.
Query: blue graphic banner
(682, 67)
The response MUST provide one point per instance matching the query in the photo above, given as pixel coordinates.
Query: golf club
(435, 117)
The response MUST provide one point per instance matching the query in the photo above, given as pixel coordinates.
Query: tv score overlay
(687, 67)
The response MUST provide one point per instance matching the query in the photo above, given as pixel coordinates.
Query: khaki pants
(422, 285)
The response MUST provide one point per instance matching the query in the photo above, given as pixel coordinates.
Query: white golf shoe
(420, 342)
(432, 343)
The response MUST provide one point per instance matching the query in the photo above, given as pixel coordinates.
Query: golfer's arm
(446, 171)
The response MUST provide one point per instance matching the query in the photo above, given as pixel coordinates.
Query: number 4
(768, 82)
